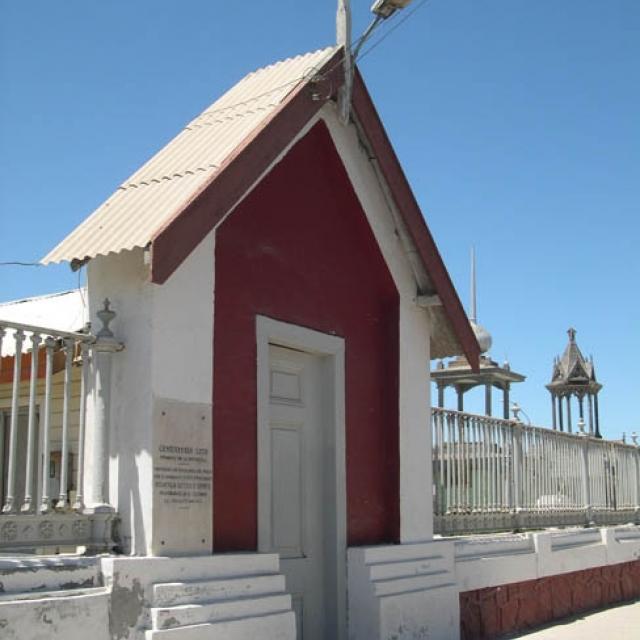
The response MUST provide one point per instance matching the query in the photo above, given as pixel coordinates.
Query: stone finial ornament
(106, 315)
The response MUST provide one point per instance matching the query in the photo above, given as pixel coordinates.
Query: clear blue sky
(517, 123)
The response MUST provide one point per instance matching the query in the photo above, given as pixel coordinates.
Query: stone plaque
(182, 478)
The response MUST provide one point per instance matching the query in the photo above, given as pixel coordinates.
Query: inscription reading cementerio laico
(182, 475)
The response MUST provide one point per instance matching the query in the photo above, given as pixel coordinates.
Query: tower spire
(473, 316)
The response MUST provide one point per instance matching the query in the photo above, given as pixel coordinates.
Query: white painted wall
(168, 335)
(123, 278)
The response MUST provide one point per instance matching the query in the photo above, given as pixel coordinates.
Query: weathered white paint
(168, 335)
(403, 591)
(23, 575)
(493, 560)
(198, 597)
(56, 617)
(330, 370)
(123, 278)
(416, 512)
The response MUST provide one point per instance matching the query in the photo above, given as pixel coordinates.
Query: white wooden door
(295, 445)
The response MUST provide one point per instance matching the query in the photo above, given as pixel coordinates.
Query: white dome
(482, 336)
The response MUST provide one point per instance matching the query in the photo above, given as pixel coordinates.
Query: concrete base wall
(403, 591)
(62, 616)
(513, 582)
(497, 611)
(481, 586)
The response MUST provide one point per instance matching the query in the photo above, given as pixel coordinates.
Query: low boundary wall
(513, 582)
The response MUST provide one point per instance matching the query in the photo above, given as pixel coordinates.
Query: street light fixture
(386, 8)
(382, 9)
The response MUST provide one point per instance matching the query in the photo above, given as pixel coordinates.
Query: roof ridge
(194, 123)
(308, 54)
(176, 174)
(195, 153)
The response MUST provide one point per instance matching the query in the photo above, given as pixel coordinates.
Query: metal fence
(492, 475)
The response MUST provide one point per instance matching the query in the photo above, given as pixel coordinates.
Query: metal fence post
(586, 482)
(517, 475)
(637, 491)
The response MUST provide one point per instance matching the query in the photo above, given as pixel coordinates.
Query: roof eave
(173, 242)
(412, 215)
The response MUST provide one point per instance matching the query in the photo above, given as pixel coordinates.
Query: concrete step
(275, 626)
(55, 573)
(241, 608)
(202, 591)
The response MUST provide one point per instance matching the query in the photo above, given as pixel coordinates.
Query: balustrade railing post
(61, 504)
(10, 499)
(78, 504)
(517, 474)
(103, 348)
(586, 481)
(27, 505)
(49, 344)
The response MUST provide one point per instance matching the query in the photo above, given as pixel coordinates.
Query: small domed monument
(574, 376)
(457, 373)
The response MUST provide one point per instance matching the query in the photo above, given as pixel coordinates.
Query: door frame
(331, 348)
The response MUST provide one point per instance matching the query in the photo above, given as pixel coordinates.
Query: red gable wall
(299, 249)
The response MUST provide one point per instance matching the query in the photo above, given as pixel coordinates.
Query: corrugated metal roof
(158, 190)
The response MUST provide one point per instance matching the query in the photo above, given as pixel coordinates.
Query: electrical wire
(355, 45)
(18, 263)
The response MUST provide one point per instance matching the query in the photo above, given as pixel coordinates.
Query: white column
(416, 468)
(103, 349)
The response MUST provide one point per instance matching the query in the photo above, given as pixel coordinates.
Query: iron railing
(495, 475)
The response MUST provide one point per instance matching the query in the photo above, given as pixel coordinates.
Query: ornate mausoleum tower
(574, 377)
(459, 375)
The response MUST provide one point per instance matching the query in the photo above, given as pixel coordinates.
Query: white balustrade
(491, 474)
(42, 454)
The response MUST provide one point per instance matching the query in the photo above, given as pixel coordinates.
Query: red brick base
(495, 611)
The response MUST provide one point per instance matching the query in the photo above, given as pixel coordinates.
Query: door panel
(287, 490)
(296, 489)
